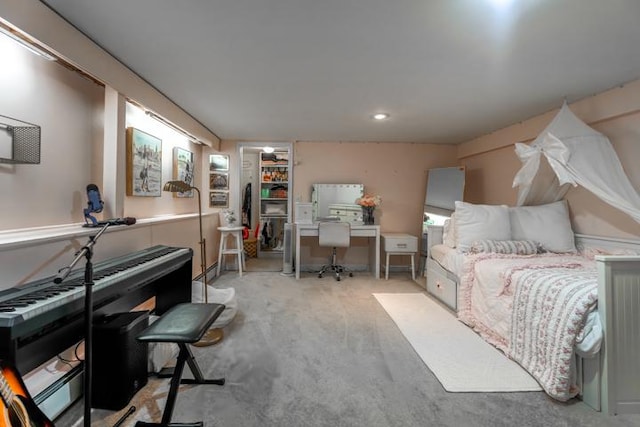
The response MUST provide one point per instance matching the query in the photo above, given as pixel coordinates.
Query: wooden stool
(183, 324)
(236, 232)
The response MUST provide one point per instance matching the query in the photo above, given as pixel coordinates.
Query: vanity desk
(370, 231)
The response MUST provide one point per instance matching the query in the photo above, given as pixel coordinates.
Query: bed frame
(609, 381)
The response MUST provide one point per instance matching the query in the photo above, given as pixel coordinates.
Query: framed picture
(183, 169)
(218, 162)
(144, 164)
(219, 181)
(218, 199)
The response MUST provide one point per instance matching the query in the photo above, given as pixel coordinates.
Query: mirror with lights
(337, 201)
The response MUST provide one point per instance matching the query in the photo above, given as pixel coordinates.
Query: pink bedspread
(532, 308)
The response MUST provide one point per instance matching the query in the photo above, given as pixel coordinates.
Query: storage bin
(251, 247)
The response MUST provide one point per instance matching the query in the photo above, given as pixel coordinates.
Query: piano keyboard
(40, 319)
(21, 304)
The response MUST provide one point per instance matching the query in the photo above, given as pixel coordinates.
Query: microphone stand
(87, 252)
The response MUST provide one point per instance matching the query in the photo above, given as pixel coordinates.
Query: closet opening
(266, 204)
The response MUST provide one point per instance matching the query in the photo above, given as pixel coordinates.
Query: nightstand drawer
(396, 242)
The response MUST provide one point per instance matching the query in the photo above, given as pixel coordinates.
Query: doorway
(265, 189)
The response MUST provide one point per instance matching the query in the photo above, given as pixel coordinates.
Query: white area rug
(458, 357)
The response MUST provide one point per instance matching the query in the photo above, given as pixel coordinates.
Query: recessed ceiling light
(501, 3)
(267, 149)
(381, 116)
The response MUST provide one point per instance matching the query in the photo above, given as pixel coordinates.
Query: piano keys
(40, 319)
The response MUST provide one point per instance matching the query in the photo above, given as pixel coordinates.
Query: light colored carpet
(457, 356)
(320, 353)
(263, 264)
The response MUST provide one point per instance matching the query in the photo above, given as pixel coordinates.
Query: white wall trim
(25, 237)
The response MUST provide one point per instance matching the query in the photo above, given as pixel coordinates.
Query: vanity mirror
(337, 201)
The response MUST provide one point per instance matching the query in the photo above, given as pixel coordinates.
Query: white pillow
(449, 232)
(480, 222)
(547, 224)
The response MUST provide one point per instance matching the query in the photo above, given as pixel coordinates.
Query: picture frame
(218, 199)
(219, 162)
(219, 181)
(144, 164)
(183, 169)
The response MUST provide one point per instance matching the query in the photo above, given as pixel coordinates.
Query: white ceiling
(446, 70)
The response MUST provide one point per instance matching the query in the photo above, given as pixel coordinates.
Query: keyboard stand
(183, 324)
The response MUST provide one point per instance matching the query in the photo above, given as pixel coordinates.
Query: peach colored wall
(489, 175)
(491, 161)
(395, 171)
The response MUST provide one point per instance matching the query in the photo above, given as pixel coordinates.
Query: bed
(565, 307)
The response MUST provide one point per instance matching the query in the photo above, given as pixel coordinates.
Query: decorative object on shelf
(219, 181)
(278, 192)
(25, 141)
(212, 335)
(144, 163)
(218, 162)
(229, 218)
(218, 199)
(183, 169)
(278, 158)
(368, 204)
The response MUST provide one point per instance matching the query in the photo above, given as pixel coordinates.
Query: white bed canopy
(577, 155)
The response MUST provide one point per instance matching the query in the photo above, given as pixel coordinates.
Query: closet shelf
(274, 201)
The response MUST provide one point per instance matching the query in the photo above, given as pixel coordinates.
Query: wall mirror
(445, 186)
(337, 201)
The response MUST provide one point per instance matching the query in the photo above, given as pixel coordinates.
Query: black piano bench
(183, 324)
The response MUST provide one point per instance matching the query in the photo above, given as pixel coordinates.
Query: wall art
(218, 162)
(144, 164)
(183, 169)
(219, 181)
(218, 199)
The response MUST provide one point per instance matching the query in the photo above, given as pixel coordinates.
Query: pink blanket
(532, 308)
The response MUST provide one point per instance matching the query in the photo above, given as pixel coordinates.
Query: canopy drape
(576, 155)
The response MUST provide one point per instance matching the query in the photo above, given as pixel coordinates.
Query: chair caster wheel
(350, 274)
(320, 276)
(338, 278)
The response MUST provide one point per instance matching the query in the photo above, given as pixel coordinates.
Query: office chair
(335, 235)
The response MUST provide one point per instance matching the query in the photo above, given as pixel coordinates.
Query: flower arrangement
(369, 201)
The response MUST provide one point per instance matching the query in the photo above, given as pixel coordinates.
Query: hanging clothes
(246, 206)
